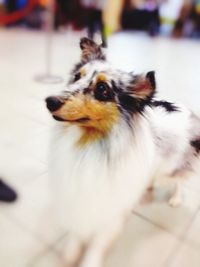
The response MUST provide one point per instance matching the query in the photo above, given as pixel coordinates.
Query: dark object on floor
(7, 194)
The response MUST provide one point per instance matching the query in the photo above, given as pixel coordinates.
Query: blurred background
(177, 18)
(39, 45)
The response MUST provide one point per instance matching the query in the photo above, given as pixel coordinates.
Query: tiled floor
(157, 235)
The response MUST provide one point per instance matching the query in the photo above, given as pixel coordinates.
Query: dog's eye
(103, 92)
(77, 76)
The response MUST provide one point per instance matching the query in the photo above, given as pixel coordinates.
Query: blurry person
(188, 22)
(64, 12)
(11, 5)
(184, 17)
(142, 15)
(94, 21)
(7, 194)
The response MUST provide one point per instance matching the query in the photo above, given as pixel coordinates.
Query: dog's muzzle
(53, 103)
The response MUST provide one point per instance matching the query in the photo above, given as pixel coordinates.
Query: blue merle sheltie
(111, 140)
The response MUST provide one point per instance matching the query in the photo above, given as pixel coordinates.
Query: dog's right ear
(144, 86)
(90, 50)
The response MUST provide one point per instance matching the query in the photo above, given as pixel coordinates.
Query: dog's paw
(175, 201)
(147, 197)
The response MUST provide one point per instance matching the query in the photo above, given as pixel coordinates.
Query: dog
(111, 139)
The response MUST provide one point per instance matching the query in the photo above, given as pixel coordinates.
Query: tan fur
(82, 72)
(101, 117)
(96, 129)
(101, 77)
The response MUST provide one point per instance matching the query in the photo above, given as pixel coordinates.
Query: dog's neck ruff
(122, 139)
(84, 139)
(102, 173)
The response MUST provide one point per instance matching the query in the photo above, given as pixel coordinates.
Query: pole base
(48, 79)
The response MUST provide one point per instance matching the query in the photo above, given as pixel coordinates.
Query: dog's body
(111, 144)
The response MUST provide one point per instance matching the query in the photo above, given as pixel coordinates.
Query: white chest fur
(96, 184)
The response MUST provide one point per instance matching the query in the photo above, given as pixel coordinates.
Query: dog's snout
(53, 103)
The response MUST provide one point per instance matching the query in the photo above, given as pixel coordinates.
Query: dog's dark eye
(103, 92)
(77, 76)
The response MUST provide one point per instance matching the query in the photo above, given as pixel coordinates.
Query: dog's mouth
(84, 119)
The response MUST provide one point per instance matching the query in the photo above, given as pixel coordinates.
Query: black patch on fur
(151, 77)
(93, 75)
(169, 107)
(87, 90)
(129, 103)
(77, 77)
(75, 72)
(77, 67)
(196, 145)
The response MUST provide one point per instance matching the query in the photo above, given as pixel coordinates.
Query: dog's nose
(53, 103)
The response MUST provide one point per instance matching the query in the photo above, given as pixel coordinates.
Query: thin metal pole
(50, 25)
(48, 77)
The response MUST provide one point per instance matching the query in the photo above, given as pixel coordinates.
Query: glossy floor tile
(17, 246)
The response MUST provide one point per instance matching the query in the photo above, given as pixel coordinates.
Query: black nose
(53, 103)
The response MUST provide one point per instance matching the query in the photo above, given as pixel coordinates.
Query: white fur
(94, 186)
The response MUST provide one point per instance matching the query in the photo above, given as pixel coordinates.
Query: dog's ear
(144, 86)
(90, 50)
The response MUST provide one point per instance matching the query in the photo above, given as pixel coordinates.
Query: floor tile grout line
(49, 249)
(183, 237)
(192, 244)
(23, 226)
(172, 255)
(30, 118)
(37, 121)
(34, 157)
(29, 181)
(31, 155)
(178, 236)
(156, 225)
(26, 153)
(57, 241)
(25, 229)
(48, 245)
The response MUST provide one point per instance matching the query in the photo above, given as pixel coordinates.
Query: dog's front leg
(177, 197)
(99, 246)
(73, 251)
(178, 179)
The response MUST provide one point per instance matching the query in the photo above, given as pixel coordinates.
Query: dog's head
(97, 95)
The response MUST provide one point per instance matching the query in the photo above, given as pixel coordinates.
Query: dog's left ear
(90, 50)
(144, 86)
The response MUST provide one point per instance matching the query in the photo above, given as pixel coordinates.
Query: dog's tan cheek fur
(103, 117)
(73, 109)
